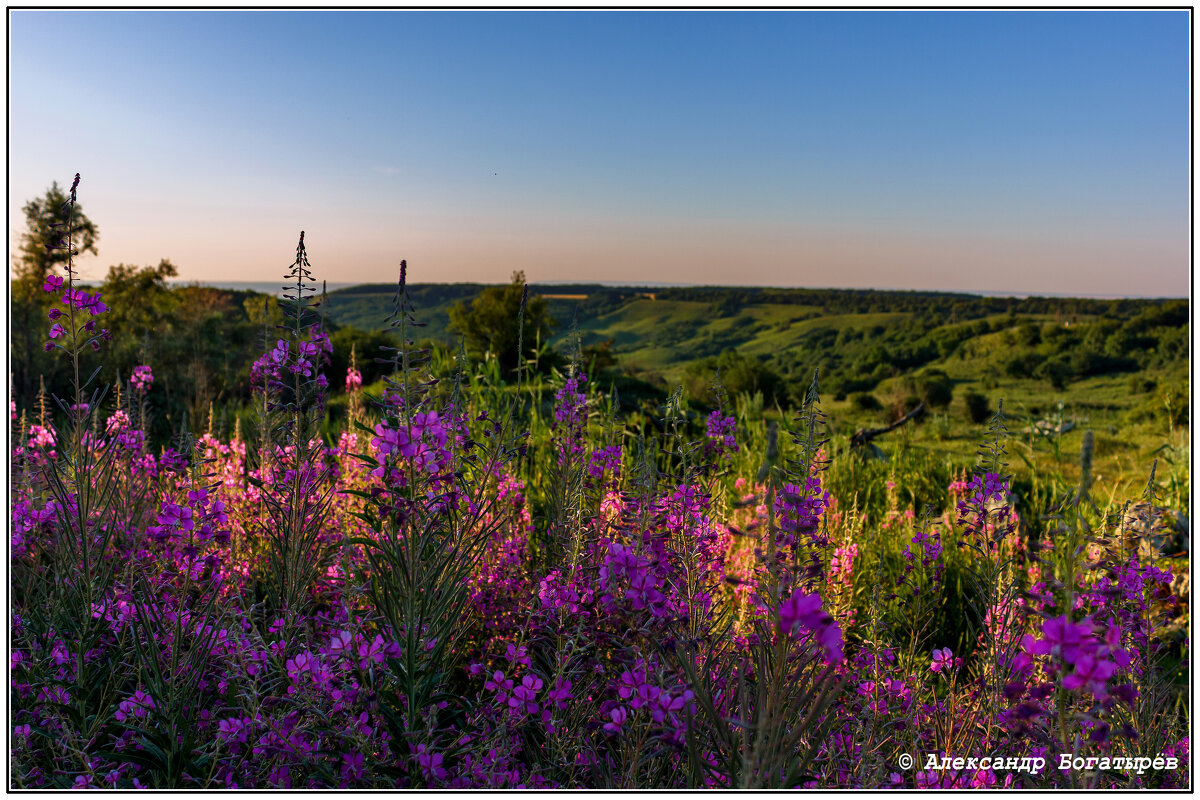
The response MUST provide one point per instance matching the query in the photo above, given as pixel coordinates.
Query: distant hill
(856, 337)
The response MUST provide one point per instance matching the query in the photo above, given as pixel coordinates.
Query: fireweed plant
(478, 585)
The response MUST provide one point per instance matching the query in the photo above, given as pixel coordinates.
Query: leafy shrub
(1056, 370)
(1022, 363)
(739, 374)
(865, 401)
(933, 386)
(977, 407)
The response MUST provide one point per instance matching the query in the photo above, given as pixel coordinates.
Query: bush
(1140, 384)
(1021, 363)
(865, 401)
(739, 374)
(978, 408)
(932, 386)
(1057, 370)
(1090, 362)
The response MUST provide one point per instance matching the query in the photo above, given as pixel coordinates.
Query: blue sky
(1021, 151)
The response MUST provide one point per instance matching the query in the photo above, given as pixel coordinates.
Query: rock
(1046, 427)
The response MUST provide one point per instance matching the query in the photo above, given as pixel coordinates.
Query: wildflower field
(478, 583)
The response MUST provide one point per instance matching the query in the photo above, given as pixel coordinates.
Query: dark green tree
(39, 255)
(978, 409)
(368, 347)
(739, 374)
(139, 302)
(489, 323)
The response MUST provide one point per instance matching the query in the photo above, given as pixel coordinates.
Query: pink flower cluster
(421, 440)
(1091, 659)
(142, 377)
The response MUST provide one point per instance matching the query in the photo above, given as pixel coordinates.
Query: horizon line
(342, 285)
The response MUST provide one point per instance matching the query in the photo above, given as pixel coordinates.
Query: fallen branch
(864, 436)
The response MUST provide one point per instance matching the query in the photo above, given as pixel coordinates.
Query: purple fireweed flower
(118, 422)
(54, 694)
(605, 459)
(341, 642)
(804, 611)
(304, 662)
(517, 655)
(525, 694)
(136, 706)
(570, 417)
(1065, 638)
(431, 763)
(630, 683)
(1091, 673)
(235, 729)
(353, 380)
(666, 707)
(722, 443)
(93, 305)
(41, 437)
(1112, 640)
(176, 516)
(376, 651)
(142, 377)
(561, 693)
(53, 284)
(425, 446)
(617, 719)
(352, 768)
(498, 684)
(942, 660)
(57, 330)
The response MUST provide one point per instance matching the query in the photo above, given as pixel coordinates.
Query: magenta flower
(352, 769)
(142, 377)
(804, 611)
(136, 706)
(118, 422)
(1091, 673)
(176, 516)
(53, 284)
(304, 662)
(93, 304)
(340, 642)
(525, 694)
(431, 763)
(617, 719)
(1066, 638)
(561, 693)
(942, 660)
(499, 685)
(233, 729)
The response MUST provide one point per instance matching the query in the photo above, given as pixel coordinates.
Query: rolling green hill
(1115, 357)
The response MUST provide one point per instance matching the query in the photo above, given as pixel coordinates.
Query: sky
(1002, 151)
